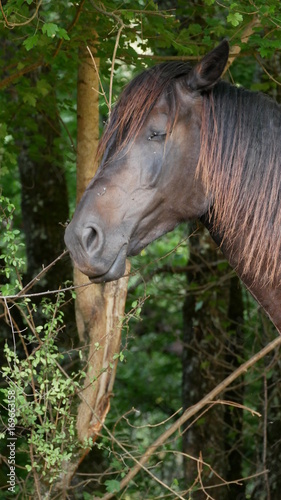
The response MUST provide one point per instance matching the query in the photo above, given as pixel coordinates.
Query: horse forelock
(136, 102)
(240, 164)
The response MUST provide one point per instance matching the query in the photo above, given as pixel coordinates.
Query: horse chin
(135, 247)
(115, 272)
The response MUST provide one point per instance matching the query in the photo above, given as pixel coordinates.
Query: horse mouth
(116, 270)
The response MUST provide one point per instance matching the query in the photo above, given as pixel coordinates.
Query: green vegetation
(184, 302)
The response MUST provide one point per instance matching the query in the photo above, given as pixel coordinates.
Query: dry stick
(109, 100)
(99, 78)
(122, 25)
(22, 293)
(236, 49)
(41, 273)
(265, 70)
(193, 410)
(113, 64)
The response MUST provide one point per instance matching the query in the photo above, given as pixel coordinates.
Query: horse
(183, 144)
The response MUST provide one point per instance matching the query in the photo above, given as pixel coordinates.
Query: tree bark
(44, 202)
(99, 308)
(44, 196)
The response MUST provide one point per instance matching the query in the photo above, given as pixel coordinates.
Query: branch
(99, 78)
(106, 13)
(267, 73)
(22, 293)
(171, 269)
(190, 412)
(28, 69)
(246, 33)
(70, 27)
(121, 25)
(113, 64)
(14, 25)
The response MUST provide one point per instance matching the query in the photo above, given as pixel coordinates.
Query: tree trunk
(99, 308)
(44, 203)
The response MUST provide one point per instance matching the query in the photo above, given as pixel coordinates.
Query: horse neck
(268, 296)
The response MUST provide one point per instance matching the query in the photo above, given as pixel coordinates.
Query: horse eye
(156, 134)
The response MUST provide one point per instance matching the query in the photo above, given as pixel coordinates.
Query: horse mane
(240, 160)
(137, 100)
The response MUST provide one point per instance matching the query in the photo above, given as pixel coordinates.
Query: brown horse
(181, 144)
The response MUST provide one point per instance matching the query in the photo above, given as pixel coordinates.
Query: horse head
(146, 182)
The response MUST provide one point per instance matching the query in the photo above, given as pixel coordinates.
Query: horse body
(177, 148)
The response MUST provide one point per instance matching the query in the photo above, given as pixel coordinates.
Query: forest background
(188, 323)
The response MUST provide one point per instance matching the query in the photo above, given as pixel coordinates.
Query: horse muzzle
(99, 259)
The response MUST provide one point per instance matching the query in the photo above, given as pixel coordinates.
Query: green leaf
(29, 98)
(50, 29)
(43, 87)
(31, 42)
(112, 486)
(235, 18)
(62, 33)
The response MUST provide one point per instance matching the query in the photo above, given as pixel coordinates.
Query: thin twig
(121, 25)
(113, 64)
(12, 326)
(41, 274)
(99, 79)
(106, 13)
(265, 70)
(70, 27)
(46, 292)
(27, 69)
(67, 132)
(235, 50)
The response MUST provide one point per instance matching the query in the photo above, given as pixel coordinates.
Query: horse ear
(209, 70)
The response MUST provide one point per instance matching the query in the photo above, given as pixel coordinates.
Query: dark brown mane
(240, 162)
(137, 100)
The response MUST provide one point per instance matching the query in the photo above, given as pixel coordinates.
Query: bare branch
(100, 82)
(113, 64)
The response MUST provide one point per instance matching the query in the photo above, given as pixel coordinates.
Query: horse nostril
(90, 239)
